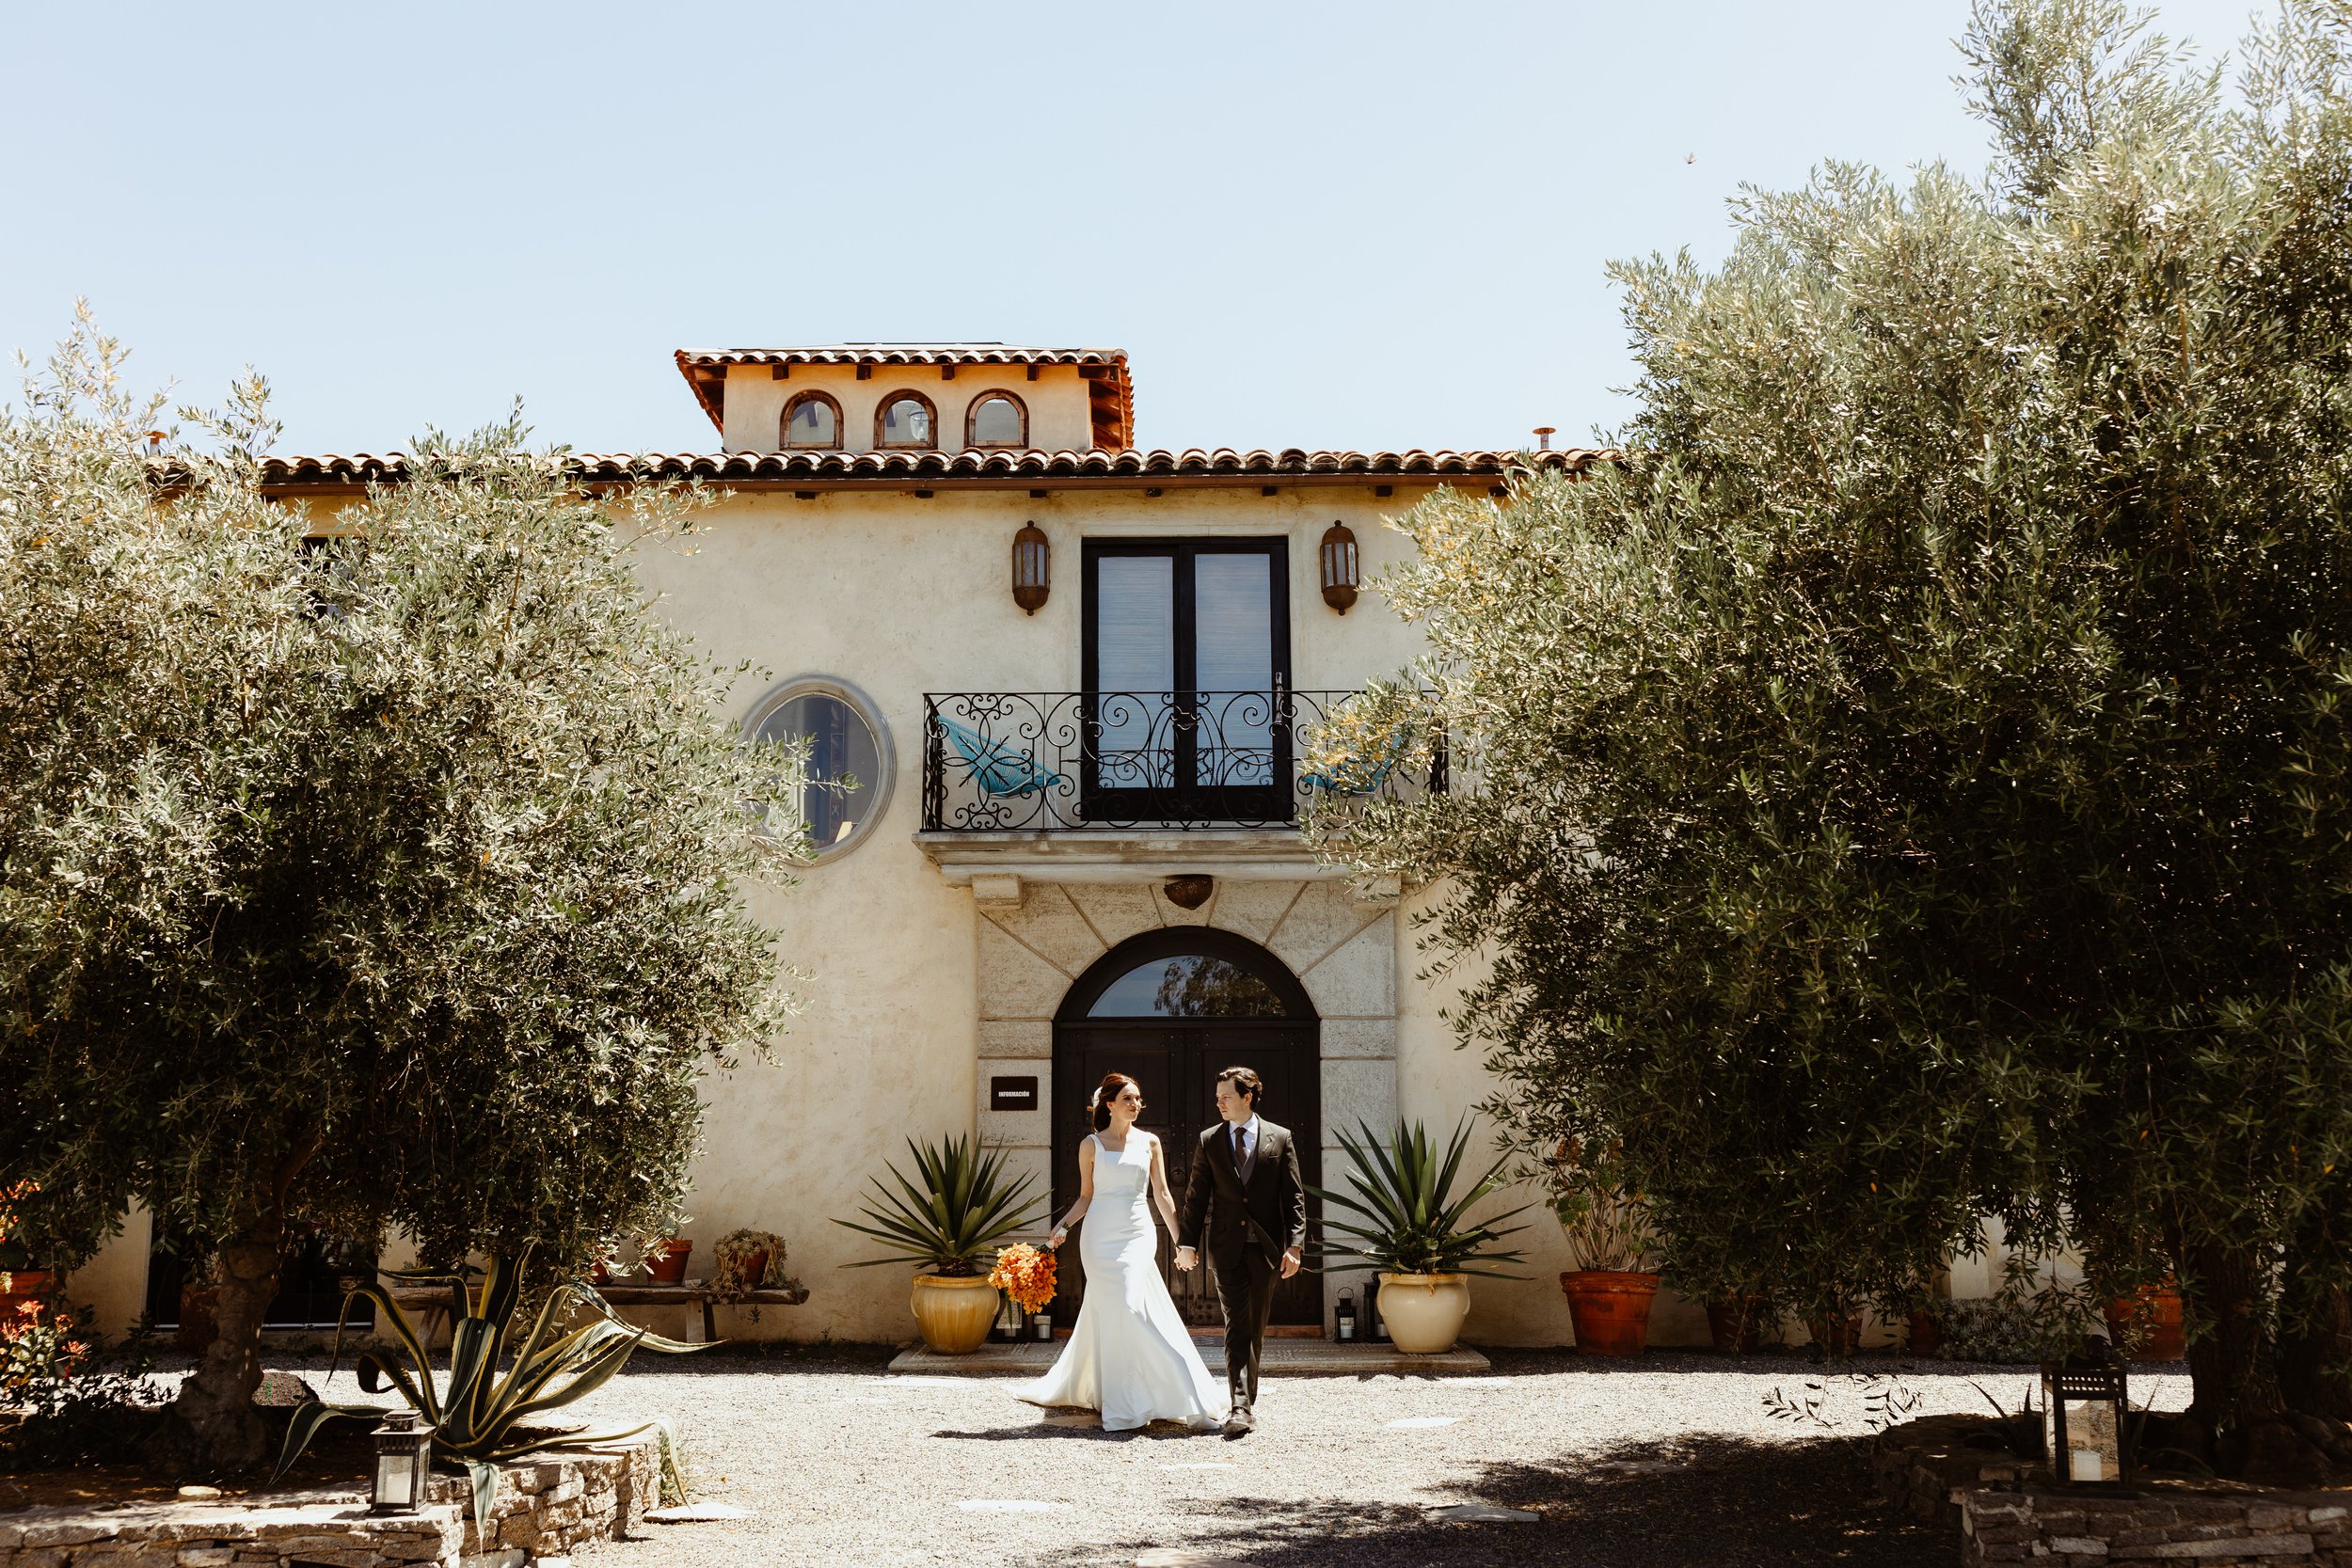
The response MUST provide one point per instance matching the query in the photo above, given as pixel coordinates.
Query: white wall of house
(914, 992)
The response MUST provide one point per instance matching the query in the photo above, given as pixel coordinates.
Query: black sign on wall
(1012, 1094)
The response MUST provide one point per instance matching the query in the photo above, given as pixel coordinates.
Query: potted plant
(1612, 1243)
(1409, 1226)
(1736, 1320)
(19, 1281)
(2146, 1324)
(748, 1261)
(665, 1261)
(949, 1225)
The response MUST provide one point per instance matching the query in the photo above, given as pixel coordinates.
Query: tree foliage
(380, 870)
(1911, 784)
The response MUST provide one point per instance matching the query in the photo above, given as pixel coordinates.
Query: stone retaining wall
(545, 1508)
(2200, 1522)
(1925, 1467)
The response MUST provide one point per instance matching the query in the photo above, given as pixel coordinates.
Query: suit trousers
(1244, 1288)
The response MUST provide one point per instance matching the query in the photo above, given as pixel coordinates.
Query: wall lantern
(2084, 1410)
(402, 1451)
(1340, 576)
(1032, 568)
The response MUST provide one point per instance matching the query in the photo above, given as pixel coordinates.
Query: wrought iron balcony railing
(1069, 761)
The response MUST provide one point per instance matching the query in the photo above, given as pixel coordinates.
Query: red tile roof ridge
(1192, 462)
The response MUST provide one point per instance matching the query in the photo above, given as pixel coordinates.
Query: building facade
(1053, 687)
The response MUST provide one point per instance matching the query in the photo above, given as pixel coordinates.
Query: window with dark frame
(906, 419)
(812, 419)
(1186, 672)
(996, 420)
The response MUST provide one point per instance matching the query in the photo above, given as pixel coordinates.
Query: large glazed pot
(1424, 1311)
(1611, 1309)
(954, 1312)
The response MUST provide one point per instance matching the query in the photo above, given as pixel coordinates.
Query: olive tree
(1909, 783)
(380, 869)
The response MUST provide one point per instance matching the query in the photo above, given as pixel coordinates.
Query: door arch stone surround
(1342, 948)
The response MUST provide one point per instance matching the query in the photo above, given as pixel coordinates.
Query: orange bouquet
(1026, 1275)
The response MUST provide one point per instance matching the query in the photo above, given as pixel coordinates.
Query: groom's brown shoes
(1240, 1422)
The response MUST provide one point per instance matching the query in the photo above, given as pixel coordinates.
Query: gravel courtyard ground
(1670, 1460)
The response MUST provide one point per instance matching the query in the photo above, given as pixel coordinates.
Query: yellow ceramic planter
(1424, 1311)
(954, 1313)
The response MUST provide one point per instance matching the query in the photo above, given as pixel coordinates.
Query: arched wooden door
(1171, 1008)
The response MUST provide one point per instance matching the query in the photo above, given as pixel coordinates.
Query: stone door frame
(1036, 937)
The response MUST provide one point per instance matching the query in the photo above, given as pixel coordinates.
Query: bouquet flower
(1026, 1275)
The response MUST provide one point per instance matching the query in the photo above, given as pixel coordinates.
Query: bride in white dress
(1130, 1356)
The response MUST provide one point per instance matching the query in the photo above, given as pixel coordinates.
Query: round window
(847, 788)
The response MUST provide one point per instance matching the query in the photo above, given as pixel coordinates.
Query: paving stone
(692, 1513)
(1417, 1423)
(1008, 1505)
(1185, 1557)
(1485, 1514)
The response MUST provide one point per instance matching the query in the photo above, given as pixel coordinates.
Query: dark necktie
(1241, 1147)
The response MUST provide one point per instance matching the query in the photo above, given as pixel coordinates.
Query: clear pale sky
(1370, 226)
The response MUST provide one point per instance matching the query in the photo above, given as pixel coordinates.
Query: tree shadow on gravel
(1704, 1502)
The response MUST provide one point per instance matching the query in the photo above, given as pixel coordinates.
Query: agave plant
(475, 1417)
(962, 1209)
(1409, 1220)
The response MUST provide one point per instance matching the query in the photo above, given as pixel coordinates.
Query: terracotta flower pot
(1926, 1334)
(1736, 1323)
(1610, 1311)
(755, 1268)
(1424, 1311)
(668, 1265)
(1839, 1333)
(2153, 1315)
(197, 1327)
(953, 1311)
(25, 1285)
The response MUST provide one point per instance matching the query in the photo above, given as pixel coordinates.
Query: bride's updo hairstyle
(1113, 1085)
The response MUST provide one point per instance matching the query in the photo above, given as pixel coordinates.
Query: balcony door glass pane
(1134, 669)
(1232, 617)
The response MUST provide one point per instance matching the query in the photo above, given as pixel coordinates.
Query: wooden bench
(429, 1304)
(694, 1292)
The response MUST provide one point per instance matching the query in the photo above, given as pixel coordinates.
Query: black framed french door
(1186, 667)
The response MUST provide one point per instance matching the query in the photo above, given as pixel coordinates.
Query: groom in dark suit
(1245, 1189)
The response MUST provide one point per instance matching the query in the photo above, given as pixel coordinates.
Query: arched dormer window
(812, 419)
(906, 419)
(996, 420)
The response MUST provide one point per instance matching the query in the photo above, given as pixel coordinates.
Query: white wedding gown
(1130, 1356)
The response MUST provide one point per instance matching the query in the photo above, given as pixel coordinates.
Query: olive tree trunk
(214, 1427)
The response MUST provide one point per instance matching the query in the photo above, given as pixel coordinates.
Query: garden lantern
(1340, 573)
(1343, 1321)
(403, 1450)
(1032, 568)
(1043, 1326)
(2083, 1406)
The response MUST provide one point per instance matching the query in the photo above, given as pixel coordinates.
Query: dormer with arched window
(913, 398)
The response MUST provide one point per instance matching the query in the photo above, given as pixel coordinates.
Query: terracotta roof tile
(983, 468)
